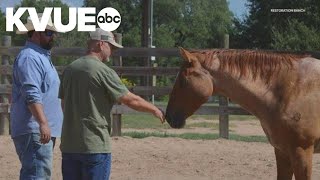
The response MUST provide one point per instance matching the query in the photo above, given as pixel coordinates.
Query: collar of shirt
(93, 57)
(37, 48)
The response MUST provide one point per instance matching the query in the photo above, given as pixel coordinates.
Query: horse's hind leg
(284, 169)
(301, 159)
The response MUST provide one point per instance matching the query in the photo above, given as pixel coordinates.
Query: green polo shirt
(89, 89)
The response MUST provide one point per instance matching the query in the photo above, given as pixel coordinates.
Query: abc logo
(109, 19)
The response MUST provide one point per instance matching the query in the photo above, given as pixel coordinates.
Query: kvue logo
(108, 19)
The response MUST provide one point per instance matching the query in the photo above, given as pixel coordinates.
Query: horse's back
(309, 66)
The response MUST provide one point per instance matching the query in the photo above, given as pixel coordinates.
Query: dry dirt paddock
(176, 159)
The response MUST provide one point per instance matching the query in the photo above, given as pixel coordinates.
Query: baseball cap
(102, 35)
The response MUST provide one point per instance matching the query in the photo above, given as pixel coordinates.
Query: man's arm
(137, 103)
(37, 111)
(29, 73)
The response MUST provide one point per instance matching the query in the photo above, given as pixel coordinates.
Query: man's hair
(30, 33)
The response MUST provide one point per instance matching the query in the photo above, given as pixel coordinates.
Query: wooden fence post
(116, 118)
(223, 117)
(223, 104)
(4, 98)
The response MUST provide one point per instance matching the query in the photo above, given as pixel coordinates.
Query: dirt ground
(177, 159)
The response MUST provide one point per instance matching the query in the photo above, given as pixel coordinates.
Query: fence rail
(122, 109)
(123, 52)
(128, 71)
(223, 110)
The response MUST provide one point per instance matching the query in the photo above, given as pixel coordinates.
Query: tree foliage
(187, 23)
(2, 24)
(130, 11)
(301, 37)
(265, 29)
(69, 39)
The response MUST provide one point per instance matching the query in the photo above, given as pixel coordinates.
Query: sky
(236, 6)
(12, 3)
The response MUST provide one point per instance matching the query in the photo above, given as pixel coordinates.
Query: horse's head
(192, 88)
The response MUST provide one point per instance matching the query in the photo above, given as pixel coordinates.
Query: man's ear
(99, 45)
(36, 36)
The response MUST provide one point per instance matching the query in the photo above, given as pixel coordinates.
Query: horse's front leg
(301, 159)
(284, 169)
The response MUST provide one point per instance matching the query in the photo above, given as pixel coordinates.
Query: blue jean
(35, 158)
(80, 166)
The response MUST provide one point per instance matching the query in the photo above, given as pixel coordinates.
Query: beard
(106, 57)
(47, 45)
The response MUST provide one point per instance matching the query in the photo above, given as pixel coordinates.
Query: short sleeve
(113, 85)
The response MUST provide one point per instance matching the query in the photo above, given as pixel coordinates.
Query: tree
(186, 23)
(267, 30)
(69, 39)
(298, 38)
(130, 11)
(2, 24)
(172, 20)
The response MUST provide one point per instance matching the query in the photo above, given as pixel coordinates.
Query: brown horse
(281, 89)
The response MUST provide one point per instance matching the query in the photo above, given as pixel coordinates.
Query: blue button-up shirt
(35, 80)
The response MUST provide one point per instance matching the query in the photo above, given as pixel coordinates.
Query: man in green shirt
(88, 91)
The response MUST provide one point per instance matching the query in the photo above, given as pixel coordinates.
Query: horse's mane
(263, 64)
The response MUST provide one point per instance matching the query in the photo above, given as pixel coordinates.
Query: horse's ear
(186, 55)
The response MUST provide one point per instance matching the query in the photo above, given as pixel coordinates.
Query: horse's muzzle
(175, 119)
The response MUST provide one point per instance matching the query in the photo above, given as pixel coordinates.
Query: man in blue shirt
(36, 115)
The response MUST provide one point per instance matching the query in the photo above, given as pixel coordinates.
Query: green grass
(205, 117)
(231, 117)
(211, 125)
(242, 118)
(195, 136)
(141, 121)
